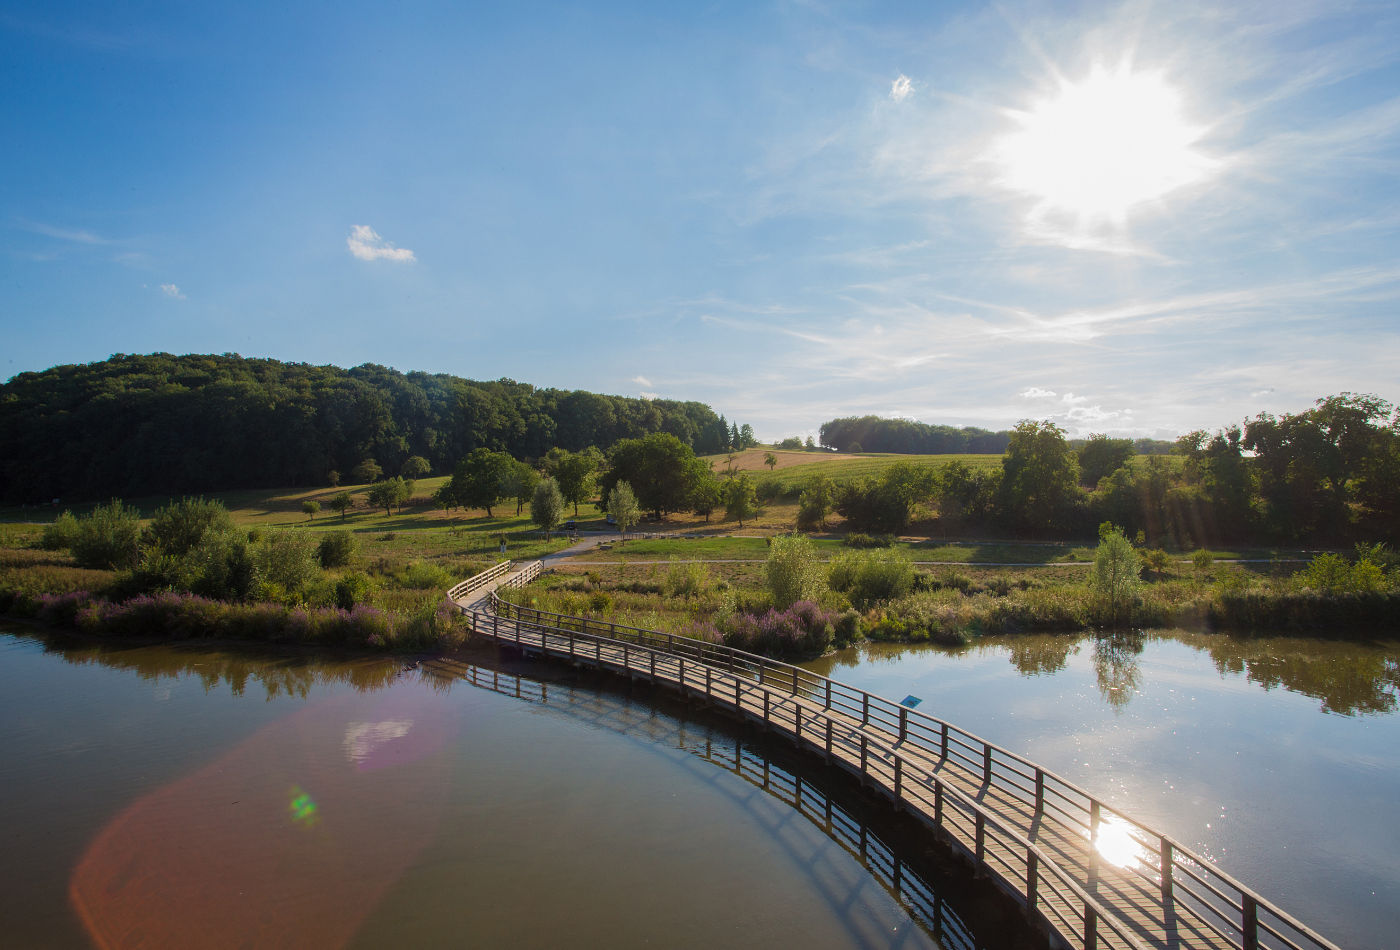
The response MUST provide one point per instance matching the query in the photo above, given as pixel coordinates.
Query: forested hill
(170, 424)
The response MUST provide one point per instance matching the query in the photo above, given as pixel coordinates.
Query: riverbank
(957, 606)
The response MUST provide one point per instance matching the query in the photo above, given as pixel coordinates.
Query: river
(1276, 758)
(185, 795)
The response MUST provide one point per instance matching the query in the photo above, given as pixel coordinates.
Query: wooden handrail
(1095, 916)
(939, 737)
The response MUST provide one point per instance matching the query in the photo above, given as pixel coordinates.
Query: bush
(803, 630)
(686, 580)
(178, 527)
(861, 540)
(60, 535)
(792, 570)
(286, 560)
(1331, 574)
(337, 549)
(352, 589)
(109, 537)
(419, 576)
(870, 577)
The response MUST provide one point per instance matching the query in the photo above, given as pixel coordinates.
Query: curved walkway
(1089, 875)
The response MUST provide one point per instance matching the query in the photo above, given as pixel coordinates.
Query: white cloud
(170, 290)
(1035, 392)
(901, 88)
(366, 244)
(642, 381)
(76, 235)
(650, 395)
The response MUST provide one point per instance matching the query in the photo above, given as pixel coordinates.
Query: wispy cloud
(642, 381)
(366, 244)
(171, 290)
(74, 235)
(901, 88)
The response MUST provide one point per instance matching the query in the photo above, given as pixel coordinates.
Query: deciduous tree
(547, 505)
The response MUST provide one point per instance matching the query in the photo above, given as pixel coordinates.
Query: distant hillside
(170, 424)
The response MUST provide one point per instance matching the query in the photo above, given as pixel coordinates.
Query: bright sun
(1101, 146)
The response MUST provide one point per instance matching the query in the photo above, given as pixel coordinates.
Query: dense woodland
(139, 425)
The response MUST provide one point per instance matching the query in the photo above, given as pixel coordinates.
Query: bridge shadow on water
(957, 909)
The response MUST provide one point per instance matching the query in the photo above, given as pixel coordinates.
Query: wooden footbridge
(1088, 875)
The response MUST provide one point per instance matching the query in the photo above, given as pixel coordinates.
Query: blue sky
(1140, 218)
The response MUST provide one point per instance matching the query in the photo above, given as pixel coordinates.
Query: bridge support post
(1039, 793)
(828, 740)
(1091, 928)
(1251, 923)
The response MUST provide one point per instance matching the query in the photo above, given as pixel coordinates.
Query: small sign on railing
(910, 701)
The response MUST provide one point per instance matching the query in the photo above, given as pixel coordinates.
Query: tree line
(907, 437)
(1328, 474)
(153, 424)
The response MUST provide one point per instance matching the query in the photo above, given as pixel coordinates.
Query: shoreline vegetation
(826, 554)
(883, 597)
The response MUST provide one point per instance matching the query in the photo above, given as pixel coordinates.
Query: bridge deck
(1023, 832)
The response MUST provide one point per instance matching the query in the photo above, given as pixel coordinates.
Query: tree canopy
(163, 424)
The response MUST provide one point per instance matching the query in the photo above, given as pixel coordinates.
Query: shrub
(861, 540)
(420, 576)
(792, 570)
(59, 535)
(286, 560)
(869, 577)
(352, 589)
(178, 527)
(803, 630)
(686, 580)
(109, 537)
(337, 549)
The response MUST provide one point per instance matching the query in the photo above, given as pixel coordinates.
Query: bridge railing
(1188, 882)
(1048, 889)
(478, 581)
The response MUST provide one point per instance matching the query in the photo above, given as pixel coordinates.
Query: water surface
(1276, 758)
(180, 796)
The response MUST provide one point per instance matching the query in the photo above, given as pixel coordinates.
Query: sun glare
(1101, 146)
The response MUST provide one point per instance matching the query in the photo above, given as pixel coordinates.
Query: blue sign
(911, 701)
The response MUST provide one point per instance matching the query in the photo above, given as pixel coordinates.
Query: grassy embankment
(411, 556)
(402, 564)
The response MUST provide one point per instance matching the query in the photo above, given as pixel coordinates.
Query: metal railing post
(1166, 871)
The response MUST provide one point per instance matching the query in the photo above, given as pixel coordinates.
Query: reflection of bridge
(889, 867)
(1083, 871)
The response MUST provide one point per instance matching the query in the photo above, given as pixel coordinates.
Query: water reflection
(277, 674)
(1042, 655)
(1348, 677)
(1116, 666)
(1117, 843)
(909, 875)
